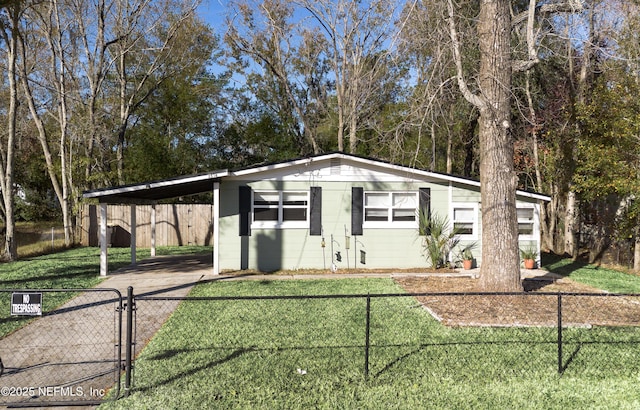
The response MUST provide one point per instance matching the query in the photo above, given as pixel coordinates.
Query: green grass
(246, 354)
(39, 238)
(602, 278)
(76, 268)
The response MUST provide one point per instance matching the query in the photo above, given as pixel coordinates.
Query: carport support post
(103, 239)
(216, 228)
(133, 233)
(153, 230)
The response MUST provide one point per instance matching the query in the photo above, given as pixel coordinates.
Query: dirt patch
(531, 308)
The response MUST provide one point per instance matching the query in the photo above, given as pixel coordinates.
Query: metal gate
(70, 352)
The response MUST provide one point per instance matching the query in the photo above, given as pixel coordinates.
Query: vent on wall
(335, 166)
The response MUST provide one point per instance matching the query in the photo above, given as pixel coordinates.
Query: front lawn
(599, 277)
(76, 268)
(275, 353)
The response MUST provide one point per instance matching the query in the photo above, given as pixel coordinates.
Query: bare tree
(10, 15)
(349, 75)
(500, 268)
(285, 63)
(94, 39)
(145, 54)
(49, 26)
(359, 39)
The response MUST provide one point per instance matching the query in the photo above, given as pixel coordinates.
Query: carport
(149, 193)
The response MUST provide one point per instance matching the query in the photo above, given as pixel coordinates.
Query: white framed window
(465, 219)
(280, 209)
(527, 222)
(390, 209)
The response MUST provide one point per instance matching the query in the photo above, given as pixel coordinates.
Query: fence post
(560, 366)
(129, 342)
(366, 339)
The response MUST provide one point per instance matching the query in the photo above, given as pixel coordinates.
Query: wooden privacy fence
(176, 225)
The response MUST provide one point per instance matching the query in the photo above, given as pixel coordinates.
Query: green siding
(274, 249)
(291, 249)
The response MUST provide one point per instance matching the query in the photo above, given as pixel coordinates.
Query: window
(280, 209)
(525, 221)
(465, 220)
(390, 209)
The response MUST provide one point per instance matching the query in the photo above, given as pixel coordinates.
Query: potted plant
(529, 256)
(467, 258)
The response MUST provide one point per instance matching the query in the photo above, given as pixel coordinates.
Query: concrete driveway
(73, 353)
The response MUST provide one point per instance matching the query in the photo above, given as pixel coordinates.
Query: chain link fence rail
(447, 335)
(68, 352)
(76, 352)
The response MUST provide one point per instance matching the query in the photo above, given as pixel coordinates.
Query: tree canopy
(117, 91)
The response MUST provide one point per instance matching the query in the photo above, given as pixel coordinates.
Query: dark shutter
(424, 205)
(245, 210)
(315, 217)
(357, 194)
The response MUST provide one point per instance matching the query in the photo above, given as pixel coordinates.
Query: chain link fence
(76, 352)
(448, 335)
(68, 353)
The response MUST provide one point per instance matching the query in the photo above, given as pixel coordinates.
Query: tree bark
(500, 269)
(6, 176)
(636, 249)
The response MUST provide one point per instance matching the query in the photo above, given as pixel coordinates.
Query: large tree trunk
(500, 269)
(571, 225)
(550, 222)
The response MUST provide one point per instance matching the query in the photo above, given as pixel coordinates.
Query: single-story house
(330, 211)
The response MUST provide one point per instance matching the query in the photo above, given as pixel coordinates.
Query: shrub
(439, 238)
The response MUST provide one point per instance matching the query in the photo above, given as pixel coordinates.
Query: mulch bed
(527, 309)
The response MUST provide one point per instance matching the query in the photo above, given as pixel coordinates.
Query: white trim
(535, 232)
(155, 184)
(410, 172)
(280, 223)
(389, 223)
(475, 222)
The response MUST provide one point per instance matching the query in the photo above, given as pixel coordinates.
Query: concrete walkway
(539, 274)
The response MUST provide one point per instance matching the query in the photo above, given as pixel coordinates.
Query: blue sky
(212, 11)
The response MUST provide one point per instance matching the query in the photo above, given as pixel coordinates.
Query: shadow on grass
(190, 371)
(388, 367)
(572, 356)
(56, 274)
(562, 264)
(633, 344)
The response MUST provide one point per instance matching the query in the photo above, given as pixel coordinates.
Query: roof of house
(195, 184)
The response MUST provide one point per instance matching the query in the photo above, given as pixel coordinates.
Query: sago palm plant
(439, 237)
